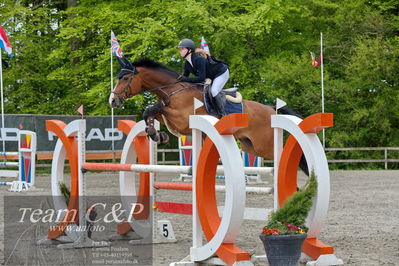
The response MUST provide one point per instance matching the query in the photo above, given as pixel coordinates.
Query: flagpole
(2, 105)
(322, 82)
(112, 109)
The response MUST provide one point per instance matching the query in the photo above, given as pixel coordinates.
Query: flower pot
(283, 250)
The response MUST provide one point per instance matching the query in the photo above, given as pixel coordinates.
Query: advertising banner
(99, 132)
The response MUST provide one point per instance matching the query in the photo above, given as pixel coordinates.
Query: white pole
(2, 105)
(322, 82)
(197, 235)
(112, 109)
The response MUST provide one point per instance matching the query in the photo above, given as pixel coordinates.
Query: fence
(162, 156)
(385, 160)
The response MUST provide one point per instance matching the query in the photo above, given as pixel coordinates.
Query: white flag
(80, 109)
(280, 103)
(197, 104)
(204, 45)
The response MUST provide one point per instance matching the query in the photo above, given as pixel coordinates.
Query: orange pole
(107, 166)
(173, 186)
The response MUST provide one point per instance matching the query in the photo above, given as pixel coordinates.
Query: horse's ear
(121, 63)
(128, 64)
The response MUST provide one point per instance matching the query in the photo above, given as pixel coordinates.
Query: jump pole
(253, 171)
(163, 168)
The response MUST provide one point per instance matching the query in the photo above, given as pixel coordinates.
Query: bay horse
(175, 105)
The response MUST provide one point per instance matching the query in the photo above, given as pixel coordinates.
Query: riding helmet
(186, 43)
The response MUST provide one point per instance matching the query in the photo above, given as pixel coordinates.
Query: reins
(165, 101)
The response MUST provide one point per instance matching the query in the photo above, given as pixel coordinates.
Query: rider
(203, 66)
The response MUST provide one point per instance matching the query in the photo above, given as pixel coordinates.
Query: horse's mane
(145, 62)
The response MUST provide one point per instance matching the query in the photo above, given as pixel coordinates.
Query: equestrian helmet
(186, 43)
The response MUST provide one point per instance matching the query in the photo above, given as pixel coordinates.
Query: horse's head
(128, 85)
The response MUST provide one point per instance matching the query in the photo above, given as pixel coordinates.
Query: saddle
(232, 99)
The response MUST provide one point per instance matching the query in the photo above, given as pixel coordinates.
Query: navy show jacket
(202, 68)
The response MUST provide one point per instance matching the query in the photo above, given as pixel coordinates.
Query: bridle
(126, 91)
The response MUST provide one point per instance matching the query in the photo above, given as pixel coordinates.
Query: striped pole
(219, 188)
(137, 168)
(164, 168)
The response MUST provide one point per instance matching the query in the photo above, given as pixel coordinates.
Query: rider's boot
(220, 104)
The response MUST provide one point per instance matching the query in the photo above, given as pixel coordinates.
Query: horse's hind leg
(246, 145)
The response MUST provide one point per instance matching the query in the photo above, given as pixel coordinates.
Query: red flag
(315, 62)
(116, 49)
(4, 43)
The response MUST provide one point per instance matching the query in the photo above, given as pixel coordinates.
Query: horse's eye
(126, 78)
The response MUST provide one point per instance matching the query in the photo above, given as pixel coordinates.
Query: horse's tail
(287, 111)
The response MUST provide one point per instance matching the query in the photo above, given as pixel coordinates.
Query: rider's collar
(188, 54)
(188, 58)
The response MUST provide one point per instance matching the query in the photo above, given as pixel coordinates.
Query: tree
(62, 55)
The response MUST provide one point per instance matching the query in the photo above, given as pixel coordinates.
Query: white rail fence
(394, 158)
(385, 160)
(388, 155)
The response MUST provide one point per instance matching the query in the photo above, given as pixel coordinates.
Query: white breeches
(219, 82)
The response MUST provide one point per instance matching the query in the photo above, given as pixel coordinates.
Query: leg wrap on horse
(149, 116)
(152, 111)
(163, 137)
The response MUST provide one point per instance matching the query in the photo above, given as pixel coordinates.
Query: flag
(4, 43)
(280, 103)
(197, 104)
(204, 46)
(315, 62)
(80, 110)
(116, 49)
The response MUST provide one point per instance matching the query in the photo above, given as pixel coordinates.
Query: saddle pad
(230, 107)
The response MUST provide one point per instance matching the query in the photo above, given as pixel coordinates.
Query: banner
(98, 132)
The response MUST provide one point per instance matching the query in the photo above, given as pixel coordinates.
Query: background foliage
(62, 55)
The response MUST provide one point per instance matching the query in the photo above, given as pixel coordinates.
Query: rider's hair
(202, 53)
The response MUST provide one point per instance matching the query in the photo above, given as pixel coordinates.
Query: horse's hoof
(155, 138)
(164, 137)
(150, 131)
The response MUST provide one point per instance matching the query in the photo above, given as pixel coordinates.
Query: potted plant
(285, 231)
(92, 214)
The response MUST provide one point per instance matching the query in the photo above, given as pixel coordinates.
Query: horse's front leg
(149, 115)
